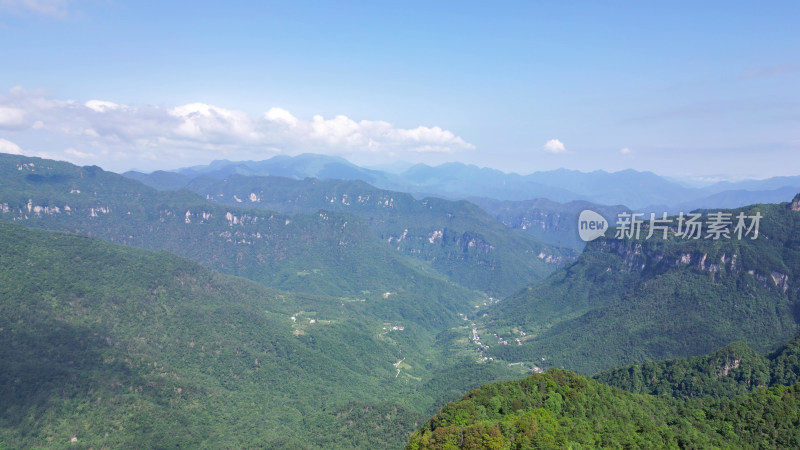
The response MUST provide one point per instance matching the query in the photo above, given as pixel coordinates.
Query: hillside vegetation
(732, 370)
(342, 315)
(122, 347)
(630, 300)
(456, 238)
(325, 253)
(561, 409)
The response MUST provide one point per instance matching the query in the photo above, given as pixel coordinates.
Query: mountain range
(634, 189)
(250, 304)
(324, 251)
(456, 238)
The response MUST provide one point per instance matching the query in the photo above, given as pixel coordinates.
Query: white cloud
(625, 151)
(11, 118)
(440, 140)
(101, 106)
(78, 154)
(209, 123)
(201, 131)
(7, 146)
(347, 135)
(555, 146)
(280, 115)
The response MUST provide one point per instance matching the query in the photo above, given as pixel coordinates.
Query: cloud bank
(7, 146)
(201, 131)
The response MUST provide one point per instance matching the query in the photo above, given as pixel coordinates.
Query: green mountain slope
(732, 370)
(561, 409)
(628, 300)
(322, 253)
(458, 239)
(122, 347)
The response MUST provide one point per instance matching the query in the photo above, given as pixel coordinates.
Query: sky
(694, 90)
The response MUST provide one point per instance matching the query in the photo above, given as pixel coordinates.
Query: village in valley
(481, 339)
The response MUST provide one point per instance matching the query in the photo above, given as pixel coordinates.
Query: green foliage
(785, 364)
(121, 347)
(732, 370)
(322, 253)
(561, 409)
(456, 238)
(735, 369)
(625, 301)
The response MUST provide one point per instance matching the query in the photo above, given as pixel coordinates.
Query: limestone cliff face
(652, 257)
(796, 203)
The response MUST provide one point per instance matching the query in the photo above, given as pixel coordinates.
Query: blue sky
(694, 89)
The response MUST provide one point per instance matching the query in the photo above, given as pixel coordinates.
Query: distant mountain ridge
(634, 189)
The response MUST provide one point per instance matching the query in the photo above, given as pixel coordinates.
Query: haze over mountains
(372, 233)
(545, 205)
(631, 188)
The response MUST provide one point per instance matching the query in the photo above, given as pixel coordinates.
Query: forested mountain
(363, 292)
(320, 252)
(389, 306)
(323, 253)
(732, 370)
(122, 347)
(629, 300)
(456, 238)
(561, 409)
(115, 346)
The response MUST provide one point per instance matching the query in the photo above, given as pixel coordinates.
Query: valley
(361, 310)
(393, 225)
